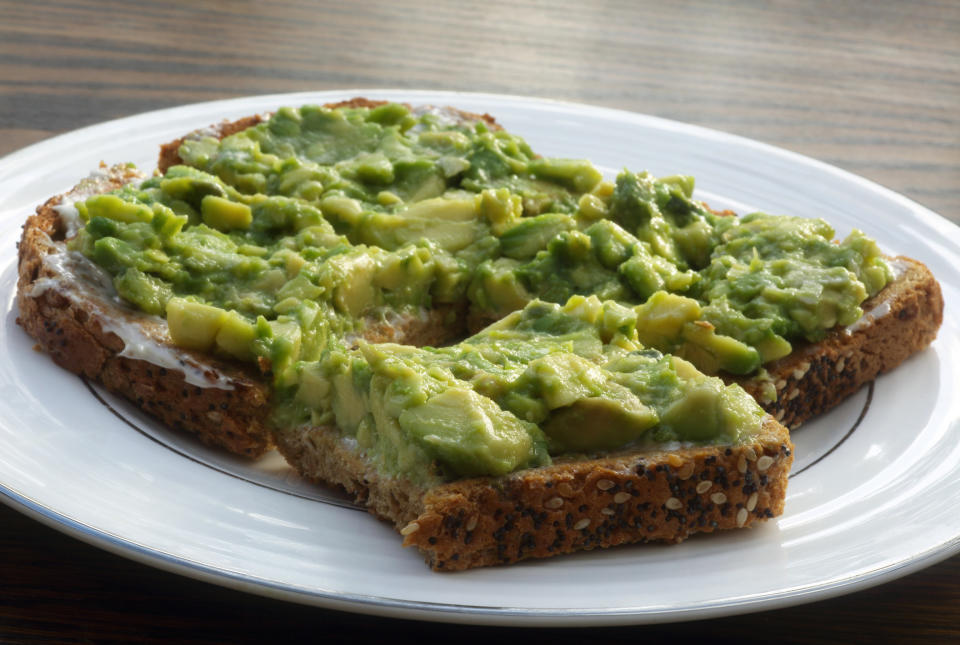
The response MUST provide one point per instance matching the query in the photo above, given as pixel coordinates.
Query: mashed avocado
(519, 392)
(277, 243)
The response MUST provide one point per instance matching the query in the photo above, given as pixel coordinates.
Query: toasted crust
(642, 496)
(898, 322)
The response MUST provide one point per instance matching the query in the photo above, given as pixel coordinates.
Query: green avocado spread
(279, 244)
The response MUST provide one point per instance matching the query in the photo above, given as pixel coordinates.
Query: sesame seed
(752, 502)
(604, 484)
(686, 471)
(780, 414)
(742, 517)
(412, 527)
(607, 511)
(673, 504)
(675, 460)
(582, 524)
(750, 453)
(841, 364)
(565, 489)
(742, 464)
(704, 486)
(553, 503)
(764, 463)
(472, 523)
(781, 384)
(793, 394)
(621, 497)
(718, 498)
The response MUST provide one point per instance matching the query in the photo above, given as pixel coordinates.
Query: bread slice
(662, 495)
(170, 152)
(899, 321)
(70, 307)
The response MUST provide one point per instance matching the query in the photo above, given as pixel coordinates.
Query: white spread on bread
(74, 276)
(897, 268)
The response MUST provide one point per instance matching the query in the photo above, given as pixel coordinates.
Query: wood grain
(871, 87)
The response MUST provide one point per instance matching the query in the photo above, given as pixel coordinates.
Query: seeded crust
(574, 505)
(899, 321)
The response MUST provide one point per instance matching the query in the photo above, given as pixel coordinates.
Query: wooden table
(871, 87)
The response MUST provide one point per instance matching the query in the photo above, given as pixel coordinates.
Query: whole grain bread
(899, 321)
(80, 322)
(662, 495)
(68, 305)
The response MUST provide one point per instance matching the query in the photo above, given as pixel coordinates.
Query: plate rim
(464, 614)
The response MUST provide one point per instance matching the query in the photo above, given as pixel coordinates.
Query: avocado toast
(429, 270)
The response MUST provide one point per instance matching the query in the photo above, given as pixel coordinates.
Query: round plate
(865, 504)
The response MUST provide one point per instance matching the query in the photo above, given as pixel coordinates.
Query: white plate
(864, 506)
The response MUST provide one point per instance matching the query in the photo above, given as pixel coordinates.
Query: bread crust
(574, 505)
(899, 321)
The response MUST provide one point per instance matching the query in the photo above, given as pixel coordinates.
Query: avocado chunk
(579, 175)
(675, 324)
(562, 378)
(470, 435)
(192, 324)
(599, 423)
(450, 224)
(236, 335)
(697, 415)
(115, 208)
(497, 289)
(532, 234)
(225, 215)
(355, 292)
(711, 411)
(148, 292)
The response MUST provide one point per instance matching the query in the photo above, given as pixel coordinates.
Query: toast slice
(641, 496)
(899, 321)
(69, 306)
